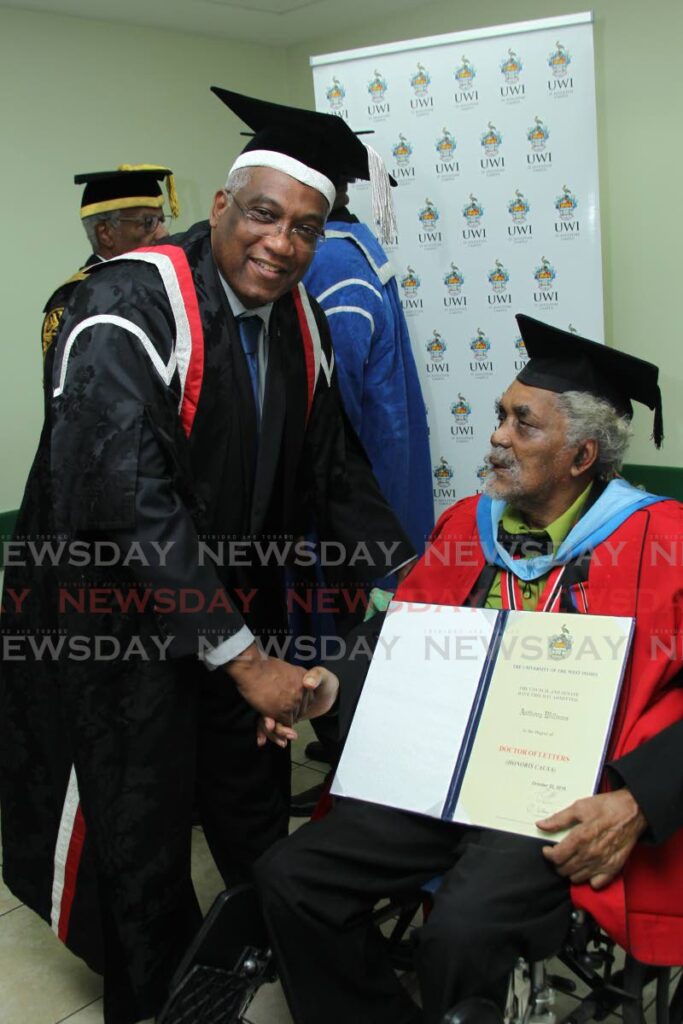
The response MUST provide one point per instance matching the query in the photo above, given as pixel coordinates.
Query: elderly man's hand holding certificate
(496, 719)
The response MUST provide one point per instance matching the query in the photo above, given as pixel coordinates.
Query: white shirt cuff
(228, 649)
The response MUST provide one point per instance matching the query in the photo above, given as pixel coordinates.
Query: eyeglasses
(149, 223)
(264, 222)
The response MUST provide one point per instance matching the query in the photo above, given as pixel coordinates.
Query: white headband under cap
(288, 165)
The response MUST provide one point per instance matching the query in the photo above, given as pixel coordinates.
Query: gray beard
(494, 488)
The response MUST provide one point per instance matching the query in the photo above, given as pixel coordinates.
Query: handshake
(283, 694)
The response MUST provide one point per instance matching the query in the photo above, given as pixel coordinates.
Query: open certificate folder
(490, 718)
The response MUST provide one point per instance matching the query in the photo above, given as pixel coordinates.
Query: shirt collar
(513, 521)
(237, 306)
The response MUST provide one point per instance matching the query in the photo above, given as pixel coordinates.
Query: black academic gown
(104, 746)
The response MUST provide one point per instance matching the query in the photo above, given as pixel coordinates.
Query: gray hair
(591, 417)
(238, 179)
(90, 226)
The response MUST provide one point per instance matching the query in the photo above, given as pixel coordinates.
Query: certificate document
(490, 718)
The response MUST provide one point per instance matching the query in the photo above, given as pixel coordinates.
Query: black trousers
(499, 899)
(147, 902)
(243, 791)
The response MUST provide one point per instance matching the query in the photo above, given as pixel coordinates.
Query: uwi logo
(545, 274)
(498, 277)
(566, 204)
(521, 348)
(454, 280)
(436, 346)
(473, 211)
(446, 145)
(538, 135)
(491, 140)
(429, 215)
(377, 87)
(443, 474)
(411, 282)
(402, 151)
(483, 472)
(465, 74)
(511, 67)
(420, 81)
(461, 410)
(335, 94)
(560, 645)
(559, 61)
(518, 208)
(480, 345)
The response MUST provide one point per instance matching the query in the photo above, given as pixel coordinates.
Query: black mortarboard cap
(315, 148)
(128, 186)
(562, 361)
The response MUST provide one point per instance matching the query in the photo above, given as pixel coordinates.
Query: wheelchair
(606, 980)
(602, 985)
(224, 967)
(612, 986)
(230, 959)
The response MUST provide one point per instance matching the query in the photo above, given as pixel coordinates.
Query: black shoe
(303, 804)
(317, 751)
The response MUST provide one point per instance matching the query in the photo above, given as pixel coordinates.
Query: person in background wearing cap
(195, 425)
(120, 210)
(557, 531)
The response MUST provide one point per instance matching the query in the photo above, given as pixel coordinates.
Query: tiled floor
(42, 983)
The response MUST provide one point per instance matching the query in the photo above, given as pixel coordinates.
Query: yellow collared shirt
(514, 523)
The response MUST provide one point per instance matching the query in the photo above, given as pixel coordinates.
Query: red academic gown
(637, 572)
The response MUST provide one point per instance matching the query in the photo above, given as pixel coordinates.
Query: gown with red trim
(636, 571)
(110, 726)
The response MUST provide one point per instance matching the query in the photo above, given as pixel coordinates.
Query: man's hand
(320, 692)
(268, 729)
(604, 830)
(273, 687)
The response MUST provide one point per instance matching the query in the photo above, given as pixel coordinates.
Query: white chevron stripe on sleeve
(183, 338)
(352, 309)
(347, 284)
(165, 371)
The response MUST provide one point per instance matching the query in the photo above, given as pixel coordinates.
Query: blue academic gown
(352, 279)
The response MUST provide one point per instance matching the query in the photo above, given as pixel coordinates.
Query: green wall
(80, 95)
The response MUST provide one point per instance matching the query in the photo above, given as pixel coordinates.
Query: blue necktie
(250, 331)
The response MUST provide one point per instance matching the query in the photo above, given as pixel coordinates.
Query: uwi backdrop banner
(491, 136)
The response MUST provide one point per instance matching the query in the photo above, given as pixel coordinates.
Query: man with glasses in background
(195, 428)
(120, 210)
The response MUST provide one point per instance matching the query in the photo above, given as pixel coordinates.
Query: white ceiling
(272, 22)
